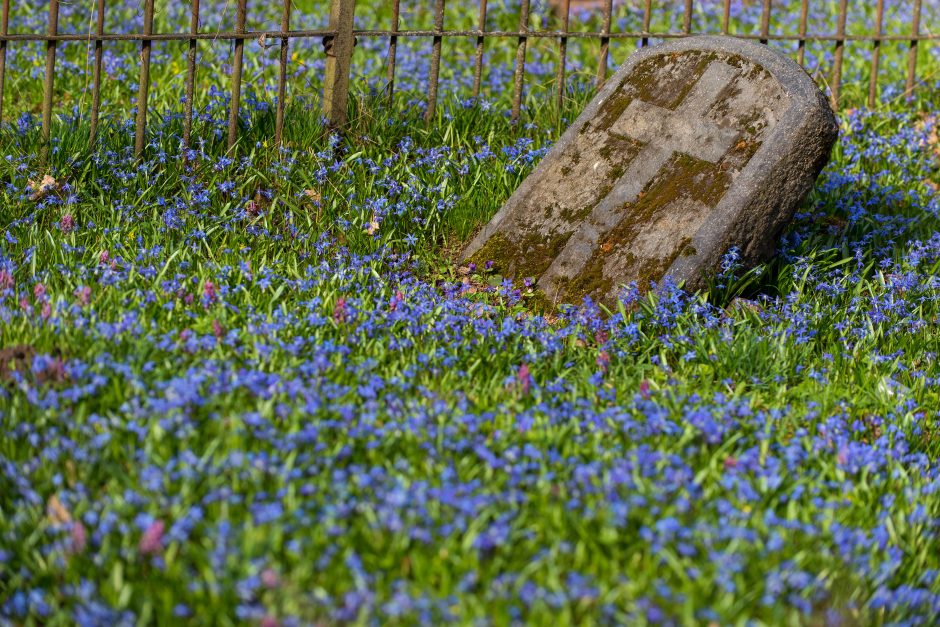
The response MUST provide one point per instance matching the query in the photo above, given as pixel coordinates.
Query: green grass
(338, 413)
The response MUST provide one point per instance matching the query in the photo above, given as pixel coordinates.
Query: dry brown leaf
(43, 187)
(57, 512)
(313, 195)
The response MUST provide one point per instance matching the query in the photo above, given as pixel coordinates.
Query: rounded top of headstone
(785, 70)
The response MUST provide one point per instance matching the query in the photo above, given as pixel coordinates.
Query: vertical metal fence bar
(647, 14)
(435, 60)
(687, 18)
(240, 18)
(801, 45)
(339, 50)
(50, 70)
(765, 22)
(144, 87)
(726, 17)
(4, 25)
(190, 75)
(478, 59)
(605, 45)
(392, 50)
(562, 54)
(96, 76)
(912, 52)
(520, 60)
(282, 77)
(876, 54)
(836, 82)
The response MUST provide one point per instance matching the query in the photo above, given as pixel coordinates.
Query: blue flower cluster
(256, 388)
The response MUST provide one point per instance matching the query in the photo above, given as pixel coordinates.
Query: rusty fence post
(519, 73)
(4, 24)
(339, 48)
(240, 16)
(144, 87)
(835, 85)
(605, 46)
(96, 81)
(876, 54)
(801, 44)
(282, 77)
(765, 22)
(478, 56)
(562, 55)
(50, 70)
(392, 52)
(912, 51)
(435, 71)
(190, 74)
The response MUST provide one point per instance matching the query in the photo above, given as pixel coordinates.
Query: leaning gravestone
(690, 148)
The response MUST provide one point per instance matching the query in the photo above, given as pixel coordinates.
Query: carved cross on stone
(692, 147)
(664, 132)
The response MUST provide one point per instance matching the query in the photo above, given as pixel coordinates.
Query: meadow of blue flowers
(256, 388)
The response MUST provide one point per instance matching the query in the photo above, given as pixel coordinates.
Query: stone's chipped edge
(796, 150)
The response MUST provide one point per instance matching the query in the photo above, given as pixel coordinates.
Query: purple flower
(67, 224)
(151, 542)
(79, 537)
(340, 311)
(84, 295)
(269, 578)
(524, 378)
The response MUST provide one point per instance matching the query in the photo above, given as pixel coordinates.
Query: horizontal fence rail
(340, 38)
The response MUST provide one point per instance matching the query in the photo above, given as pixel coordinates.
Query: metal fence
(340, 37)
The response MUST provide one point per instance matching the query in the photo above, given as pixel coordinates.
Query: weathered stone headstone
(690, 148)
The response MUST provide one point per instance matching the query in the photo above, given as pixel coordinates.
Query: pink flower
(24, 303)
(67, 224)
(6, 280)
(396, 300)
(208, 292)
(103, 257)
(603, 361)
(39, 291)
(218, 330)
(46, 311)
(340, 310)
(269, 621)
(152, 540)
(524, 378)
(79, 537)
(730, 462)
(84, 295)
(843, 457)
(269, 578)
(645, 388)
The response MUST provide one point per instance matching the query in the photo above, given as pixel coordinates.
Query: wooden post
(240, 17)
(339, 50)
(50, 71)
(144, 88)
(4, 25)
(912, 51)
